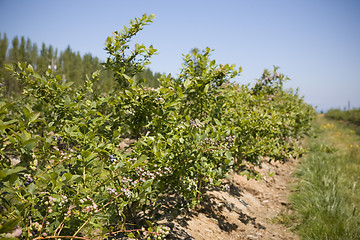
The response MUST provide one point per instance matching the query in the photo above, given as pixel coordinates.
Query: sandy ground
(247, 211)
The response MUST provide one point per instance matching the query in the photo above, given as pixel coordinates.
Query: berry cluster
(229, 142)
(126, 191)
(142, 176)
(149, 89)
(90, 208)
(225, 144)
(51, 202)
(112, 159)
(28, 179)
(58, 139)
(34, 228)
(161, 233)
(161, 100)
(195, 124)
(269, 97)
(112, 191)
(152, 175)
(130, 112)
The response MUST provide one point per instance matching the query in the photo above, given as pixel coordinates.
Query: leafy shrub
(352, 116)
(66, 169)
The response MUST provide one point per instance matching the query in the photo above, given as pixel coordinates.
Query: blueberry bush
(80, 164)
(350, 116)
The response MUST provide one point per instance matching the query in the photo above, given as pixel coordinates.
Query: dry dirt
(247, 211)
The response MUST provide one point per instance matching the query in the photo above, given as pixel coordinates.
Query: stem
(59, 228)
(87, 221)
(65, 237)
(42, 224)
(64, 158)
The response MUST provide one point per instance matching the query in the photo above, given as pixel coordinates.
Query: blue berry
(112, 158)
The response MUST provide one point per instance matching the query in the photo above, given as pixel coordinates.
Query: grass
(326, 196)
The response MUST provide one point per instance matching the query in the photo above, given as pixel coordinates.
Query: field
(198, 156)
(326, 194)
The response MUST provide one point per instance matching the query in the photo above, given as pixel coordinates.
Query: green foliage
(352, 116)
(78, 163)
(125, 66)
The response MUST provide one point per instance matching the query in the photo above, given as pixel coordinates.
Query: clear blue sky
(315, 42)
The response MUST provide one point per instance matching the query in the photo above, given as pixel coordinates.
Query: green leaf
(138, 162)
(6, 125)
(9, 226)
(14, 170)
(2, 174)
(151, 17)
(74, 177)
(85, 153)
(68, 84)
(30, 144)
(146, 187)
(33, 118)
(5, 106)
(67, 100)
(228, 155)
(32, 188)
(217, 122)
(187, 83)
(206, 89)
(68, 176)
(9, 67)
(90, 157)
(30, 68)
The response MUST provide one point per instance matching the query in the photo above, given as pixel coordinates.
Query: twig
(54, 165)
(65, 237)
(42, 224)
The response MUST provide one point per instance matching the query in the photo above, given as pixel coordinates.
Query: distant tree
(87, 64)
(77, 73)
(3, 49)
(22, 51)
(34, 55)
(68, 63)
(14, 51)
(28, 48)
(11, 83)
(150, 78)
(42, 63)
(3, 54)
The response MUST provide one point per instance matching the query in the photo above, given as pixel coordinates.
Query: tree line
(69, 64)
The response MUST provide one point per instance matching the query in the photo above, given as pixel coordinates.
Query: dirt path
(247, 211)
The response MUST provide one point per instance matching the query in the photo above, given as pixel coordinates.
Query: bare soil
(251, 209)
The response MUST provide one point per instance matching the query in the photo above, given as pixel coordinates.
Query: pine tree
(22, 51)
(14, 51)
(34, 55)
(3, 74)
(42, 63)
(3, 49)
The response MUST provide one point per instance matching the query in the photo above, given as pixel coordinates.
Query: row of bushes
(352, 116)
(92, 165)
